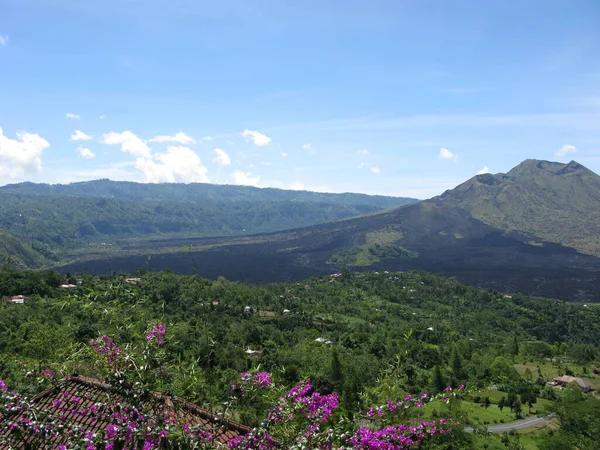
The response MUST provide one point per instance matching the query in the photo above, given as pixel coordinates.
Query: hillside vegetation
(54, 218)
(198, 192)
(549, 201)
(454, 234)
(14, 252)
(369, 337)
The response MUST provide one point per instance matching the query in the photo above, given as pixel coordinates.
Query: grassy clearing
(554, 369)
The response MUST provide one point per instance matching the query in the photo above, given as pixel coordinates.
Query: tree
(502, 403)
(457, 364)
(529, 398)
(514, 346)
(517, 408)
(487, 402)
(511, 400)
(438, 379)
(337, 371)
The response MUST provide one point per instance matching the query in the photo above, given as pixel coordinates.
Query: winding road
(517, 424)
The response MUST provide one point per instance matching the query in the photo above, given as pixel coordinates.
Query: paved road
(517, 425)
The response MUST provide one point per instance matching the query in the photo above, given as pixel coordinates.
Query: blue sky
(389, 97)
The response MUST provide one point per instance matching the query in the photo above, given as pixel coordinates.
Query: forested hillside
(56, 218)
(198, 192)
(369, 337)
(61, 222)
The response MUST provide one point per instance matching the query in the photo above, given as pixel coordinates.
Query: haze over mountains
(534, 230)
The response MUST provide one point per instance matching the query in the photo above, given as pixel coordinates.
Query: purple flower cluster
(255, 440)
(259, 379)
(105, 346)
(48, 374)
(399, 437)
(157, 334)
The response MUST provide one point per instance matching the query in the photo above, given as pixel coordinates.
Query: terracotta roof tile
(79, 393)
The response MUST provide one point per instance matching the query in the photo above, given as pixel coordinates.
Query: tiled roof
(88, 392)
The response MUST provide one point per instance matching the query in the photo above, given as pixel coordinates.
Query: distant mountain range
(535, 229)
(51, 220)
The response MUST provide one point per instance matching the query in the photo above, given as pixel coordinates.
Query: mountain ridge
(529, 230)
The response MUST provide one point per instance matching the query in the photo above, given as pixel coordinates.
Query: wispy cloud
(311, 148)
(207, 138)
(565, 150)
(364, 151)
(72, 116)
(444, 153)
(245, 178)
(376, 170)
(256, 137)
(569, 121)
(284, 154)
(483, 171)
(221, 158)
(3, 40)
(179, 138)
(469, 90)
(79, 135)
(86, 153)
(130, 143)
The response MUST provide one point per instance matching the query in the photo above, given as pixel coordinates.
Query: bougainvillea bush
(299, 418)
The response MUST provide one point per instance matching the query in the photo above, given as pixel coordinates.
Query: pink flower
(157, 333)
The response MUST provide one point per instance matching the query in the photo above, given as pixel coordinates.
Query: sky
(393, 97)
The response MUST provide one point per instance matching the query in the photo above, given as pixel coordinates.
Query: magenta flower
(263, 379)
(48, 374)
(157, 333)
(3, 387)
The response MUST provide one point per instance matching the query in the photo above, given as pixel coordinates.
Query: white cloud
(311, 148)
(22, 155)
(483, 171)
(177, 165)
(297, 186)
(376, 170)
(259, 139)
(221, 157)
(565, 150)
(79, 135)
(129, 142)
(364, 151)
(447, 154)
(3, 40)
(86, 153)
(180, 138)
(209, 138)
(362, 165)
(284, 154)
(266, 163)
(102, 117)
(72, 116)
(245, 178)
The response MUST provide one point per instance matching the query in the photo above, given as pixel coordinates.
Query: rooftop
(70, 402)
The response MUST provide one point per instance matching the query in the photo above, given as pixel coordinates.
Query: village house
(565, 380)
(18, 299)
